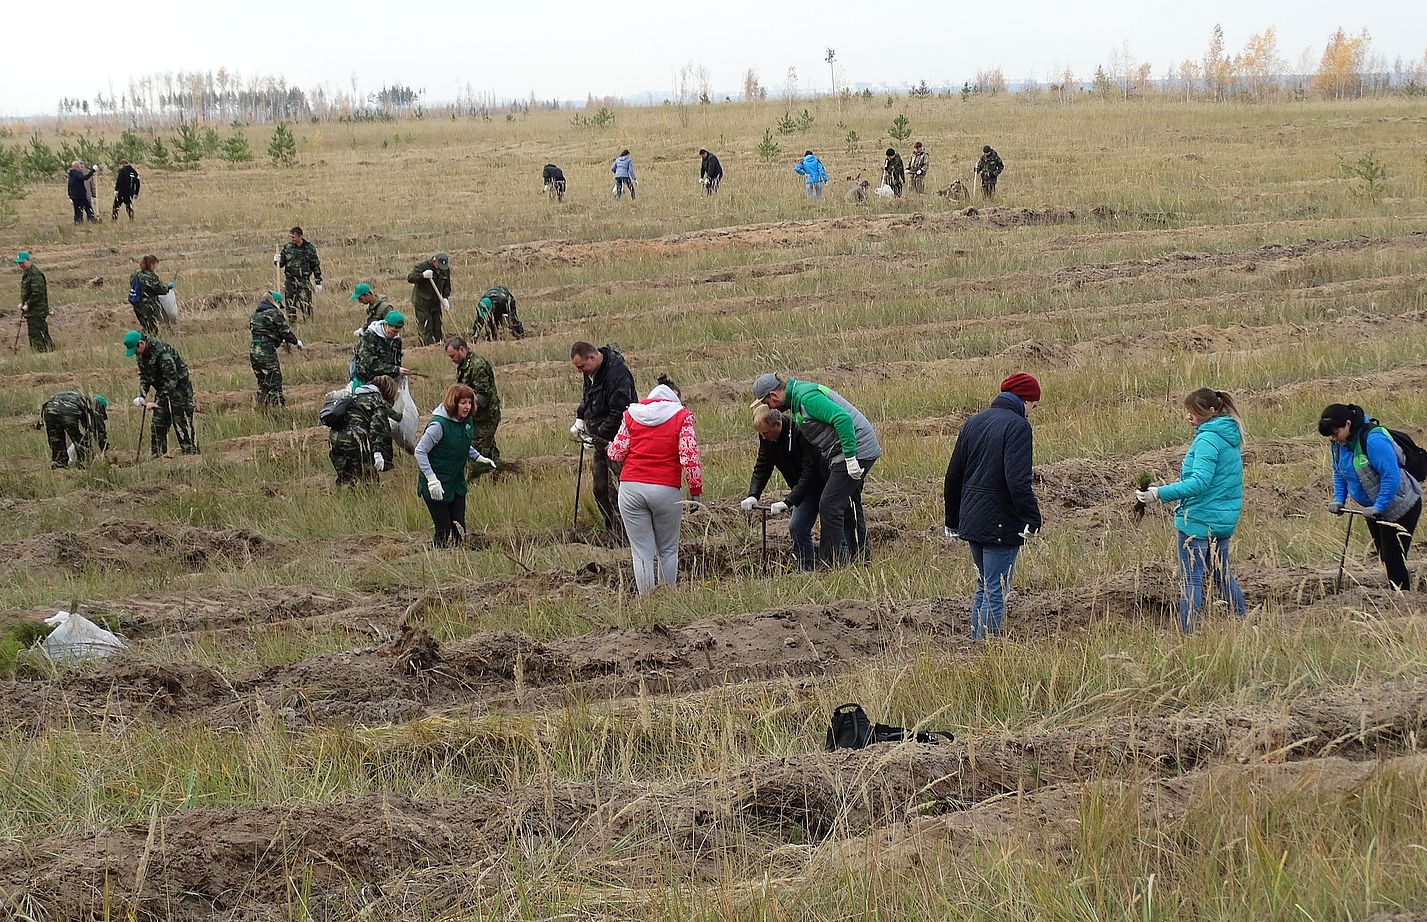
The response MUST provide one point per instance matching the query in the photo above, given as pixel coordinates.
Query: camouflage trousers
(483, 438)
(297, 298)
(148, 313)
(268, 371)
(38, 326)
(173, 412)
(58, 429)
(350, 459)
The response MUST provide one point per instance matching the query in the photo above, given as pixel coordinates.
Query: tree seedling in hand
(1143, 482)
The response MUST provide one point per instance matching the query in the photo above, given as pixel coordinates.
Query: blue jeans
(620, 183)
(1194, 558)
(994, 565)
(800, 529)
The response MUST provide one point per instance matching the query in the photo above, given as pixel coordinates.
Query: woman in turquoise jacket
(1209, 496)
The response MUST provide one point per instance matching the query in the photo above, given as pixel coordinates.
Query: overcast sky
(561, 49)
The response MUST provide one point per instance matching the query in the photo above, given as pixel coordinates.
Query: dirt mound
(129, 545)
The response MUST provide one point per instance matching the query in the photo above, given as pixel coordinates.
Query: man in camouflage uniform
(71, 416)
(145, 289)
(917, 168)
(377, 305)
(34, 302)
(163, 369)
(497, 304)
(988, 167)
(269, 330)
(379, 350)
(476, 373)
(300, 270)
(430, 294)
(361, 445)
(894, 174)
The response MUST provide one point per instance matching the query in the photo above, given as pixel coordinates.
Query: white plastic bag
(406, 432)
(169, 302)
(885, 191)
(73, 451)
(76, 637)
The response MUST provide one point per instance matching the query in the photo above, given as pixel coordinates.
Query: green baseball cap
(21, 256)
(394, 319)
(276, 296)
(362, 289)
(99, 399)
(131, 343)
(486, 303)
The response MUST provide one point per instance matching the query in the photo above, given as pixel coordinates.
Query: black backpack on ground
(1414, 457)
(851, 728)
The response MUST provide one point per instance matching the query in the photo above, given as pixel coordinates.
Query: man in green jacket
(361, 446)
(377, 305)
(269, 330)
(72, 416)
(497, 306)
(476, 373)
(164, 370)
(430, 295)
(300, 270)
(846, 439)
(34, 302)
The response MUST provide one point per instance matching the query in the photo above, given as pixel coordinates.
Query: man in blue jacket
(814, 176)
(79, 191)
(989, 501)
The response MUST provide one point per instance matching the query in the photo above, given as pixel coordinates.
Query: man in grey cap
(430, 295)
(845, 437)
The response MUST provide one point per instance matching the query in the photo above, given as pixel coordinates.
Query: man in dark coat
(710, 172)
(782, 446)
(126, 189)
(988, 167)
(608, 390)
(554, 179)
(989, 501)
(79, 191)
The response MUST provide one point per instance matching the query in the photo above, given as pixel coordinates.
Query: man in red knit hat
(989, 501)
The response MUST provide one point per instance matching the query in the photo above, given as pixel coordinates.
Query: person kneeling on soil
(782, 445)
(1208, 498)
(989, 501)
(654, 444)
(72, 416)
(441, 455)
(360, 446)
(1368, 466)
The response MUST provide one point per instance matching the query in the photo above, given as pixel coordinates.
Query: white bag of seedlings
(75, 637)
(406, 432)
(169, 302)
(885, 191)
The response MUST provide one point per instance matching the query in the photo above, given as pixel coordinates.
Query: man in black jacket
(608, 392)
(554, 179)
(989, 501)
(79, 191)
(126, 189)
(710, 172)
(782, 446)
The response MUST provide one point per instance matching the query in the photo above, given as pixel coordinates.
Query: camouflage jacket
(148, 286)
(268, 326)
(378, 309)
(300, 261)
(477, 374)
(163, 369)
(500, 296)
(421, 294)
(990, 164)
(34, 292)
(72, 405)
(367, 423)
(376, 355)
(894, 171)
(919, 163)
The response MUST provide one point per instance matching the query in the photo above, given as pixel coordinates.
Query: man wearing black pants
(126, 189)
(710, 172)
(608, 390)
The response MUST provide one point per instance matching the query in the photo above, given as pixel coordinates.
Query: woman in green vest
(441, 454)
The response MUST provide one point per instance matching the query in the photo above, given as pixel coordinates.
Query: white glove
(277, 258)
(427, 274)
(378, 461)
(299, 344)
(950, 534)
(578, 429)
(778, 508)
(1148, 496)
(357, 332)
(748, 503)
(317, 288)
(140, 402)
(490, 461)
(445, 304)
(1026, 532)
(854, 470)
(94, 166)
(433, 486)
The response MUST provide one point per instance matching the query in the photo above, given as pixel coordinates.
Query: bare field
(322, 718)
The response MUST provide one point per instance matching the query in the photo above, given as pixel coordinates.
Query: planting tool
(1342, 561)
(439, 297)
(139, 445)
(18, 327)
(579, 481)
(763, 516)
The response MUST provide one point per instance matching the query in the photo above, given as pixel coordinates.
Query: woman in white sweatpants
(657, 449)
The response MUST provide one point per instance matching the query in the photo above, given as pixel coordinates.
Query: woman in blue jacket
(623, 170)
(1367, 465)
(1209, 496)
(814, 175)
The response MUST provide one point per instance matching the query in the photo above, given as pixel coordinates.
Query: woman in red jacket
(656, 445)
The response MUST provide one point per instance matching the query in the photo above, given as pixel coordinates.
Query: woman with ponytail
(1208, 498)
(1368, 466)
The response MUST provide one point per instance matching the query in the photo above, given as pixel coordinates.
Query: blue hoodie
(1210, 489)
(811, 169)
(623, 167)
